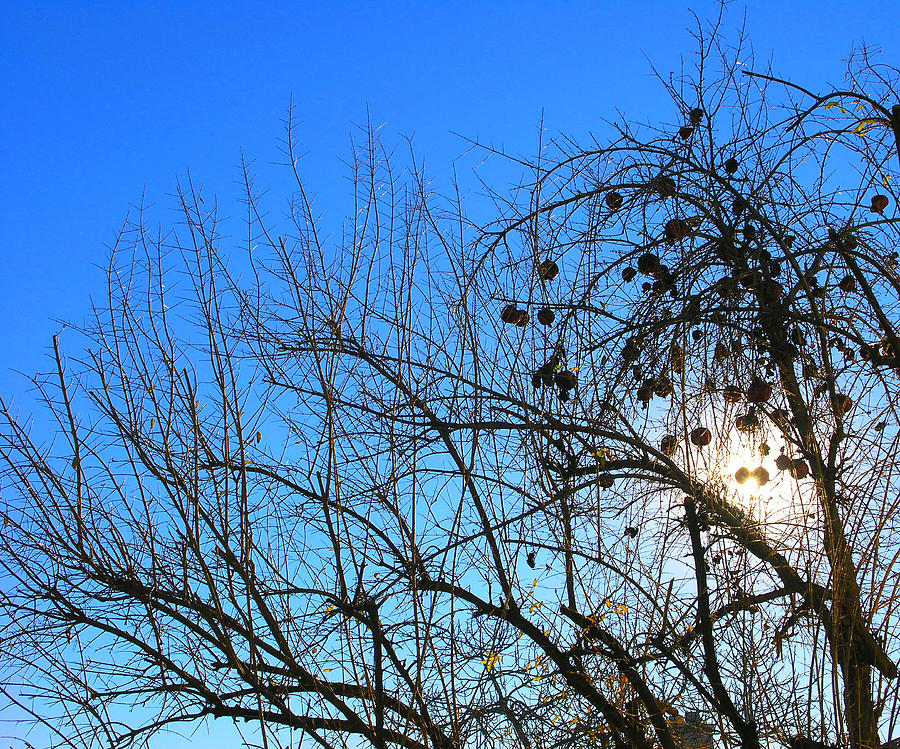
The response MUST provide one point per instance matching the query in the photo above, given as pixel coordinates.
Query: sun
(750, 471)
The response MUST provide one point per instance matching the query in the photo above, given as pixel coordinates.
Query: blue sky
(103, 103)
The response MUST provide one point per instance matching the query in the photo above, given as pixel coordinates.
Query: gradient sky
(103, 103)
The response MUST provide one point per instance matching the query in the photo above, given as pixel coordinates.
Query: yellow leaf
(490, 661)
(327, 670)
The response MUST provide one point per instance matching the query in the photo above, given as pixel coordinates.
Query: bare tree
(619, 469)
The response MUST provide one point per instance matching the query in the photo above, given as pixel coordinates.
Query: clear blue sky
(103, 102)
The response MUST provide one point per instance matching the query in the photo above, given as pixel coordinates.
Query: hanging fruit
(798, 469)
(546, 316)
(696, 116)
(521, 318)
(548, 270)
(509, 314)
(879, 203)
(733, 394)
(842, 404)
(630, 351)
(701, 436)
(628, 274)
(614, 200)
(759, 391)
(676, 230)
(566, 379)
(738, 206)
(668, 445)
(721, 351)
(887, 348)
(648, 264)
(742, 475)
(761, 476)
(537, 380)
(645, 392)
(731, 165)
(847, 284)
(748, 279)
(664, 186)
(685, 132)
(728, 287)
(783, 462)
(747, 422)
(605, 480)
(663, 387)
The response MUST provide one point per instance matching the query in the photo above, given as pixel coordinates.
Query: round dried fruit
(879, 203)
(677, 229)
(614, 200)
(847, 284)
(799, 469)
(648, 263)
(548, 270)
(761, 475)
(663, 387)
(701, 436)
(759, 391)
(842, 404)
(733, 394)
(669, 445)
(664, 186)
(566, 379)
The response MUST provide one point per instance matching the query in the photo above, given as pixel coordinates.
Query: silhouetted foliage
(616, 470)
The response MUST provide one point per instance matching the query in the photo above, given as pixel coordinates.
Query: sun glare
(761, 484)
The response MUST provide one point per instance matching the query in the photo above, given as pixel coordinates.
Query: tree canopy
(615, 468)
